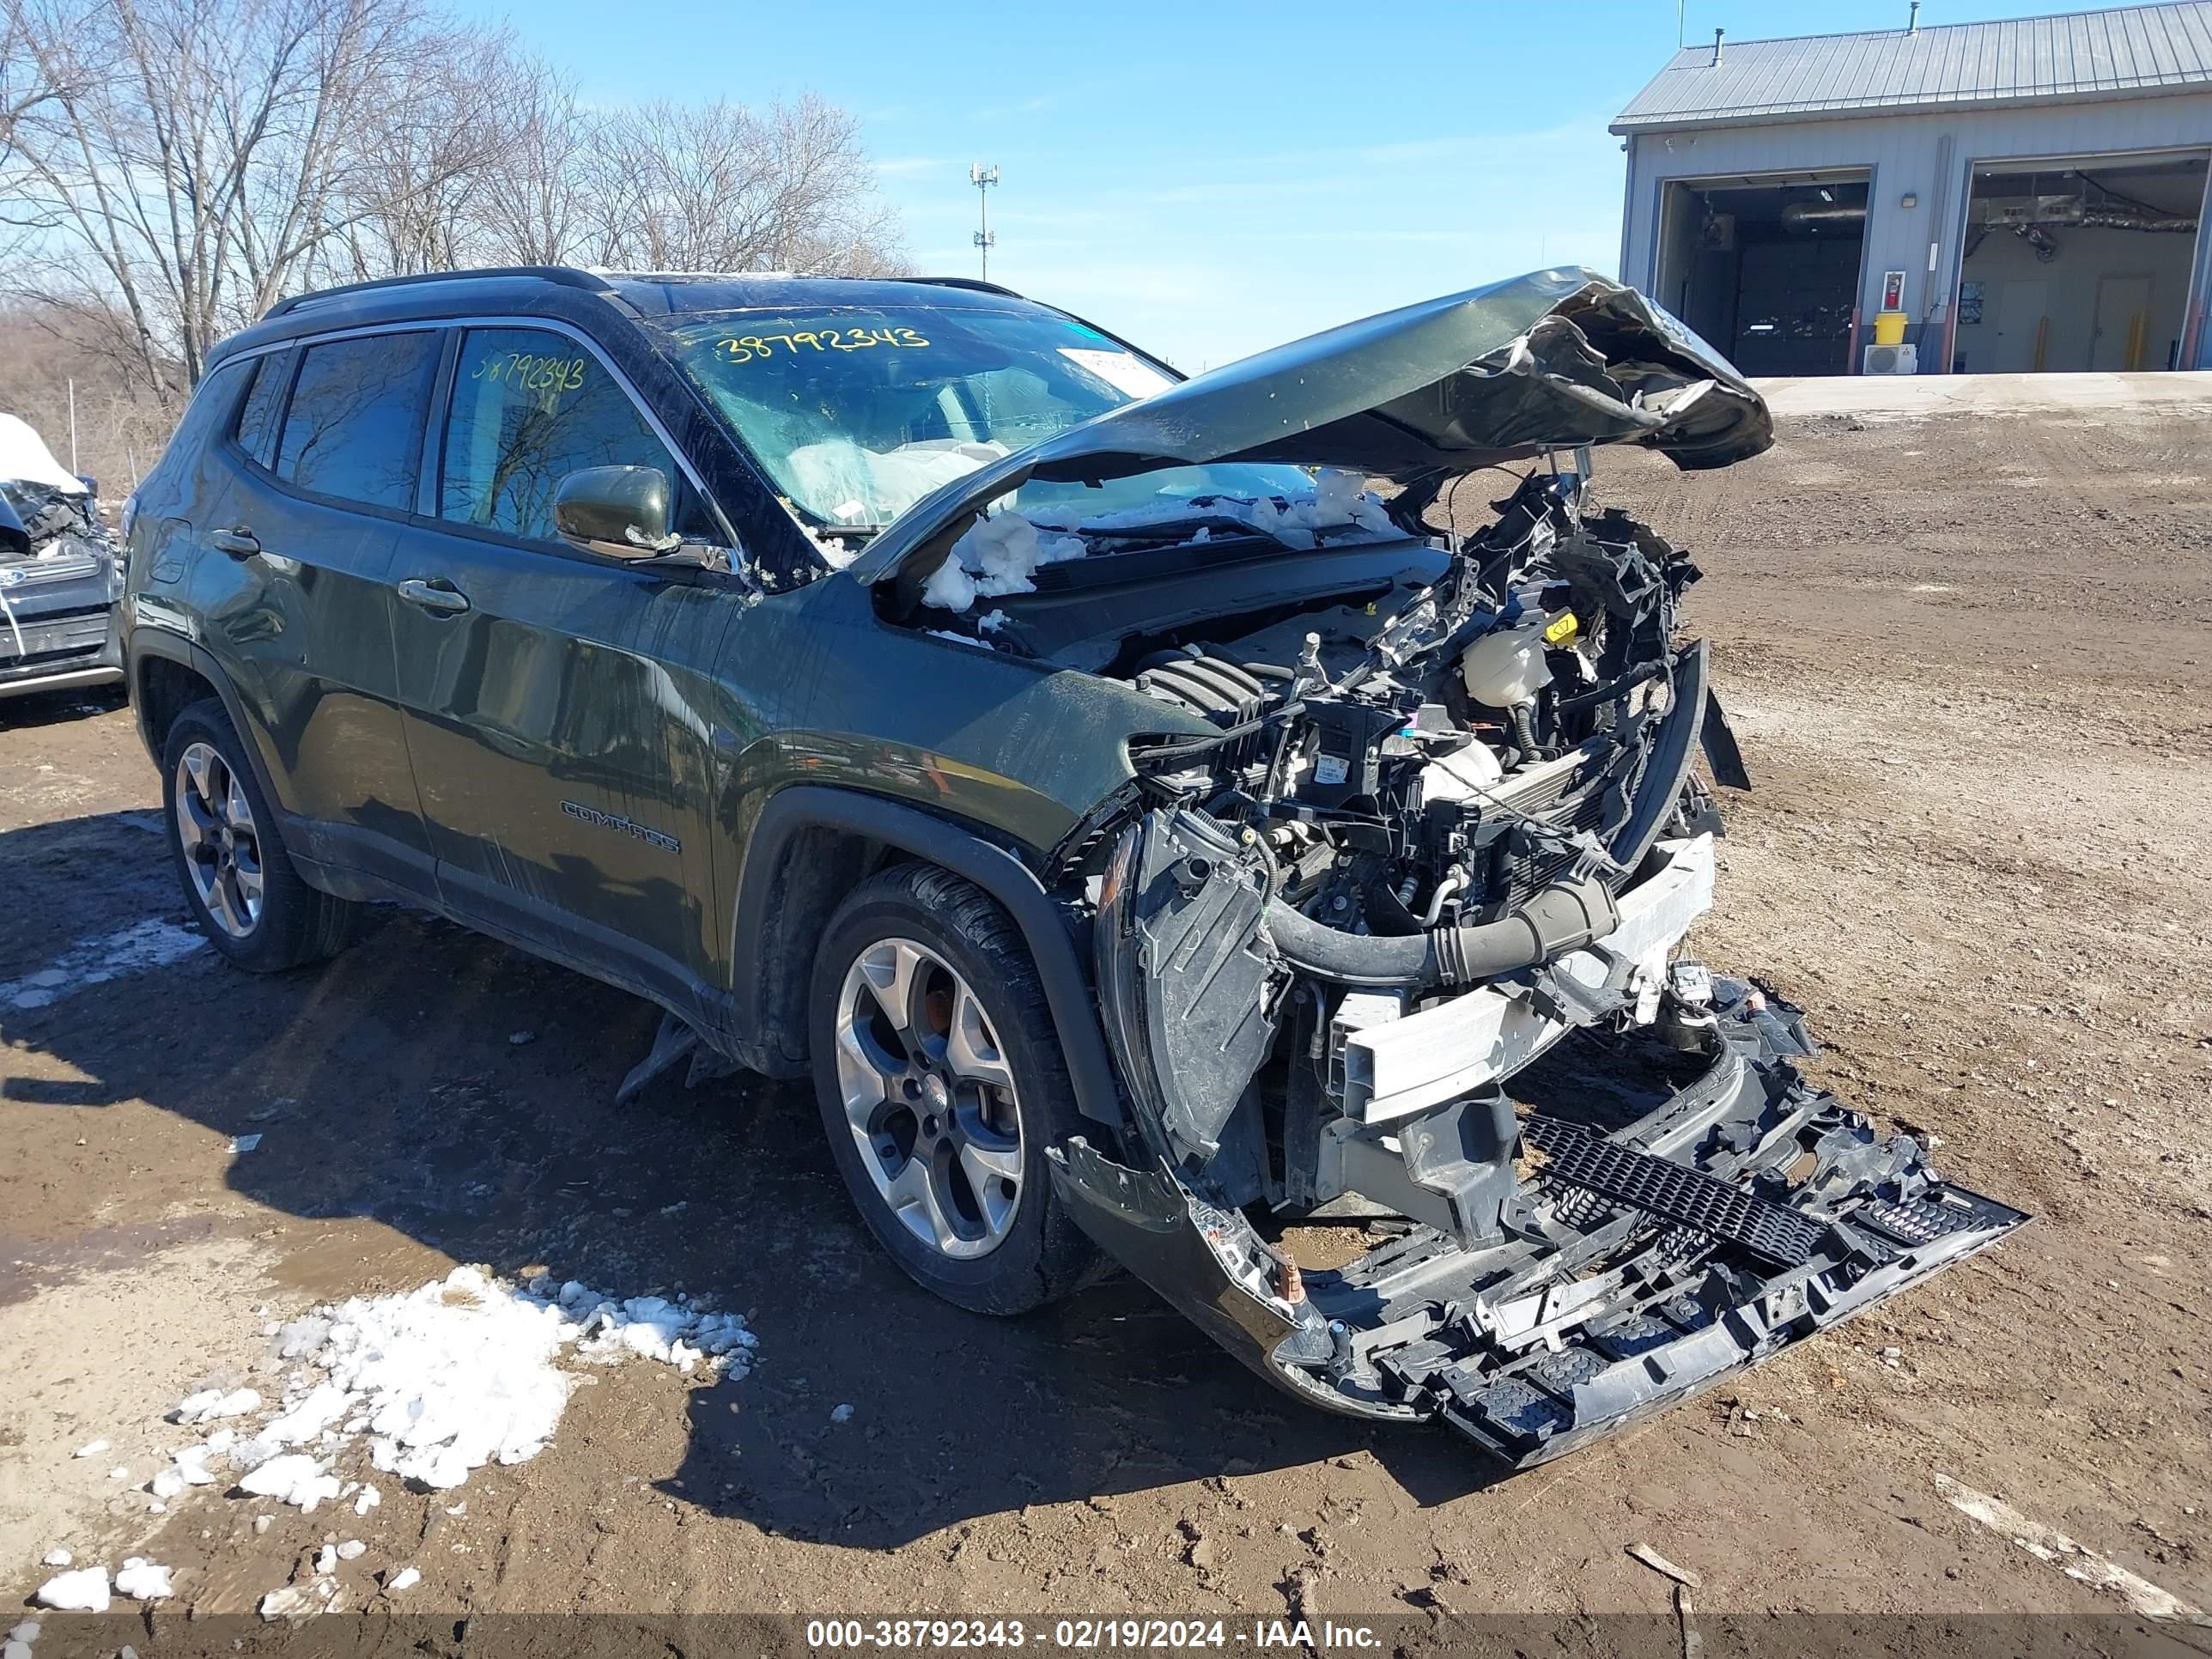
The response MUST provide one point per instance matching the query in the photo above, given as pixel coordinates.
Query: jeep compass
(1144, 826)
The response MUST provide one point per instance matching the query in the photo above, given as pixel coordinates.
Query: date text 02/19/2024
(1087, 1635)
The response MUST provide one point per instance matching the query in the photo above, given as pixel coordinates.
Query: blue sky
(1210, 177)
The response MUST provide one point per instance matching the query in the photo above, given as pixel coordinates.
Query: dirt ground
(1970, 658)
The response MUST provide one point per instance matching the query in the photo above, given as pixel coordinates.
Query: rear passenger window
(257, 421)
(530, 407)
(355, 426)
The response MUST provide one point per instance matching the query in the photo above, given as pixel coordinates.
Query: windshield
(858, 412)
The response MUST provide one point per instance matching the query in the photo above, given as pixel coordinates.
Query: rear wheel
(941, 1086)
(230, 855)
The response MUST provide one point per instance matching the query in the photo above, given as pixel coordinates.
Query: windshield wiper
(1174, 532)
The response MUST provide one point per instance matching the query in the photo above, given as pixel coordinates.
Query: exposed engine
(1449, 795)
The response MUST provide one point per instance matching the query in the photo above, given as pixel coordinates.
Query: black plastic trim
(801, 807)
(1672, 754)
(151, 642)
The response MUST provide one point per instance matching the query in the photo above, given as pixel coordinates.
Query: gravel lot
(1969, 658)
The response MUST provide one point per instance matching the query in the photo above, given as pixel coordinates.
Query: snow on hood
(25, 459)
(997, 554)
(1553, 360)
(1000, 552)
(1340, 500)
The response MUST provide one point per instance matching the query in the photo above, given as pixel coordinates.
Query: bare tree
(173, 167)
(531, 210)
(415, 199)
(718, 187)
(191, 174)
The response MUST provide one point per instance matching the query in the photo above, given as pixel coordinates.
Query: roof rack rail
(979, 286)
(692, 276)
(566, 276)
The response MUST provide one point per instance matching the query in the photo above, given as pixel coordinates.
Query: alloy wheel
(930, 1098)
(221, 844)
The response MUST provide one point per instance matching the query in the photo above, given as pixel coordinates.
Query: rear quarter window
(354, 428)
(213, 400)
(256, 421)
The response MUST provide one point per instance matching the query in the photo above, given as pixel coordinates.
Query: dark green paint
(439, 752)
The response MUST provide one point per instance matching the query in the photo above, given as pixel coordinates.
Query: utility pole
(73, 466)
(983, 177)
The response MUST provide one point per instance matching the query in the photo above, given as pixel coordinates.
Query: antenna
(983, 177)
(1913, 27)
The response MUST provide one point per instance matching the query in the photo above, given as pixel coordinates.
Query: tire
(979, 1012)
(285, 923)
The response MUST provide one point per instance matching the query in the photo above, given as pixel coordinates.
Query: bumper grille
(1783, 1237)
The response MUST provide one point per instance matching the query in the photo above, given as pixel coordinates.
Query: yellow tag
(1562, 630)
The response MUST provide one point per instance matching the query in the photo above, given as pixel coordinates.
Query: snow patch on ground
(141, 1581)
(439, 1381)
(151, 944)
(84, 1590)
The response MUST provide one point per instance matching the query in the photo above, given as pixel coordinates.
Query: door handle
(441, 597)
(238, 543)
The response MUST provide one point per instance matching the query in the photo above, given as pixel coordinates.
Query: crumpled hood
(1549, 361)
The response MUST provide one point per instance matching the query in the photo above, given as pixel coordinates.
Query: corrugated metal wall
(1929, 157)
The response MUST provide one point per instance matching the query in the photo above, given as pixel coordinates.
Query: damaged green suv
(1144, 828)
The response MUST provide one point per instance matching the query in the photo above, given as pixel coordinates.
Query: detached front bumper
(1631, 1271)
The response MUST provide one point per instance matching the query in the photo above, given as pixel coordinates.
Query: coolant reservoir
(1462, 775)
(1505, 668)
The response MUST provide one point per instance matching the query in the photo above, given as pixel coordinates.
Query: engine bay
(1441, 757)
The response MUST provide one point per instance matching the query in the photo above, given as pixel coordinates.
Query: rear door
(294, 587)
(559, 704)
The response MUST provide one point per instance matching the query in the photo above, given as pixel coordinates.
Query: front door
(559, 704)
(2123, 321)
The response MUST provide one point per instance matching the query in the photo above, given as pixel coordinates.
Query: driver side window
(529, 408)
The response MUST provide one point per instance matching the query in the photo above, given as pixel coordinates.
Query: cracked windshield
(858, 413)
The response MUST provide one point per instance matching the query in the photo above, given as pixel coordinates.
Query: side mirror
(620, 511)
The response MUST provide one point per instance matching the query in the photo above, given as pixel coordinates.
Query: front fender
(1052, 942)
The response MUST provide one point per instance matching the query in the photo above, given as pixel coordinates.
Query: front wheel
(941, 1085)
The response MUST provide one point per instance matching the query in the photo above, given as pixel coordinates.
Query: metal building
(2028, 195)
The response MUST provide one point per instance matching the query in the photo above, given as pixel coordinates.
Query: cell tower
(983, 177)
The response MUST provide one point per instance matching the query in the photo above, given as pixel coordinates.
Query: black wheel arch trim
(797, 808)
(146, 642)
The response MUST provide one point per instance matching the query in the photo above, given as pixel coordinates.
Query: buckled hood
(1549, 361)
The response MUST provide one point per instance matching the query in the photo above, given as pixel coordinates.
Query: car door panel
(295, 581)
(557, 702)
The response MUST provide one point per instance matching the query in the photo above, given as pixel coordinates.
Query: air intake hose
(1562, 917)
